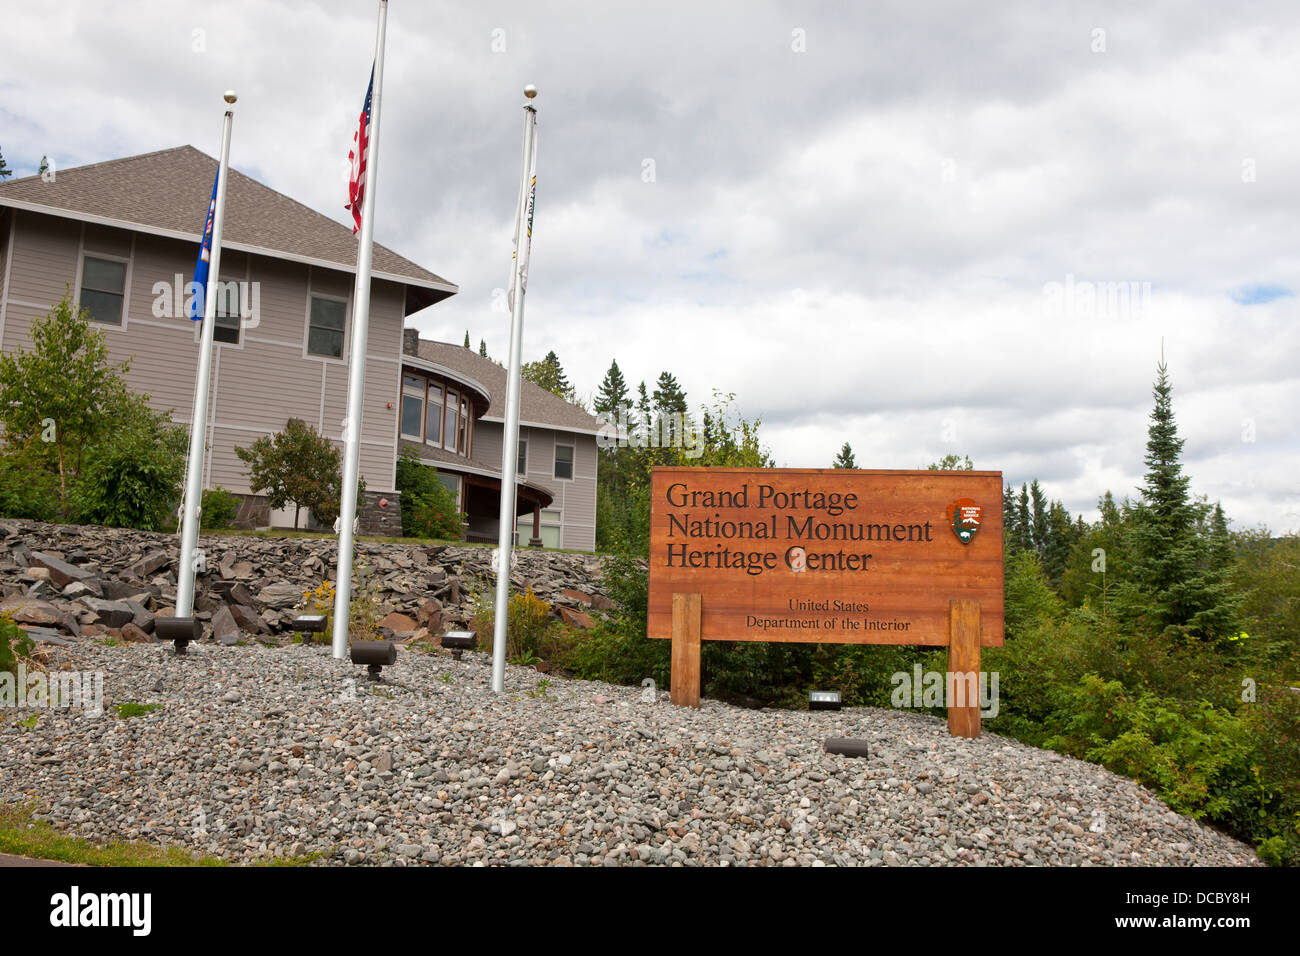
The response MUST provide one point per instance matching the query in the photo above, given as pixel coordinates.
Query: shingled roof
(166, 193)
(537, 406)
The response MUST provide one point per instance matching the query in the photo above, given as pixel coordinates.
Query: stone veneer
(382, 520)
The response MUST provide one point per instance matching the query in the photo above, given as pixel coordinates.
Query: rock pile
(69, 582)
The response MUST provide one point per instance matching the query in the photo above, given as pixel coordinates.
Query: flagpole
(357, 358)
(199, 420)
(510, 451)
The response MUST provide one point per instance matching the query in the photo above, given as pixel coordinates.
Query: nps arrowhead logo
(964, 515)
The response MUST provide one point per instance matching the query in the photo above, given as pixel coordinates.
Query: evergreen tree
(466, 338)
(1023, 524)
(549, 374)
(670, 409)
(1177, 584)
(1061, 537)
(482, 347)
(1096, 562)
(845, 458)
(1221, 550)
(45, 165)
(668, 395)
(5, 171)
(1038, 519)
(613, 393)
(1010, 522)
(644, 412)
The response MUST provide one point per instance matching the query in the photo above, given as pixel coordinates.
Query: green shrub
(219, 508)
(132, 477)
(428, 506)
(29, 487)
(1193, 754)
(15, 645)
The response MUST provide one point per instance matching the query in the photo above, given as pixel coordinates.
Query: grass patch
(132, 709)
(23, 835)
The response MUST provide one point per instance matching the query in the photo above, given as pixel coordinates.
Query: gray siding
(258, 384)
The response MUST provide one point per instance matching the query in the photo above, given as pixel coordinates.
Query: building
(122, 237)
(557, 445)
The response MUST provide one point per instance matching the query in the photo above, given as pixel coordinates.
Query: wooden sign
(826, 555)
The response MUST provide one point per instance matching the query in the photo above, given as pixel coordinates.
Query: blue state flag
(200, 284)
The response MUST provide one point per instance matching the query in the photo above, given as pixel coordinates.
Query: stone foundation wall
(382, 519)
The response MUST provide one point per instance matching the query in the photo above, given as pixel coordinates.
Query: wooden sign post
(828, 556)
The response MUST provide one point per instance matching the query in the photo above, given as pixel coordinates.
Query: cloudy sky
(922, 228)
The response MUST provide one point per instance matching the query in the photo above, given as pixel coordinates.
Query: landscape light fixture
(460, 641)
(823, 700)
(179, 630)
(848, 746)
(310, 624)
(376, 655)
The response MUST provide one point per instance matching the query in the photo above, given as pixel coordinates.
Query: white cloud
(857, 240)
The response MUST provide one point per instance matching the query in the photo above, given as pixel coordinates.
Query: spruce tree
(845, 458)
(1061, 536)
(482, 347)
(5, 171)
(1178, 583)
(1010, 526)
(670, 408)
(668, 395)
(644, 413)
(1023, 524)
(1038, 520)
(549, 374)
(612, 395)
(467, 338)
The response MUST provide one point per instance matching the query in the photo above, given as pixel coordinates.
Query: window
(103, 285)
(462, 436)
(227, 325)
(433, 419)
(549, 526)
(563, 461)
(521, 467)
(452, 484)
(412, 405)
(411, 417)
(449, 432)
(325, 333)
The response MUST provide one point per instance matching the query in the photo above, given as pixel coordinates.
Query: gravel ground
(260, 752)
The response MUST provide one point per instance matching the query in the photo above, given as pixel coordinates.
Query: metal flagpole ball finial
(229, 96)
(530, 91)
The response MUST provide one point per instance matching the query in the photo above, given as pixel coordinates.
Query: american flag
(357, 156)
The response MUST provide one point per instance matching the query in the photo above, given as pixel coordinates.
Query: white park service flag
(527, 194)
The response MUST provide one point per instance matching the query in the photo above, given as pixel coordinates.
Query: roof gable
(167, 192)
